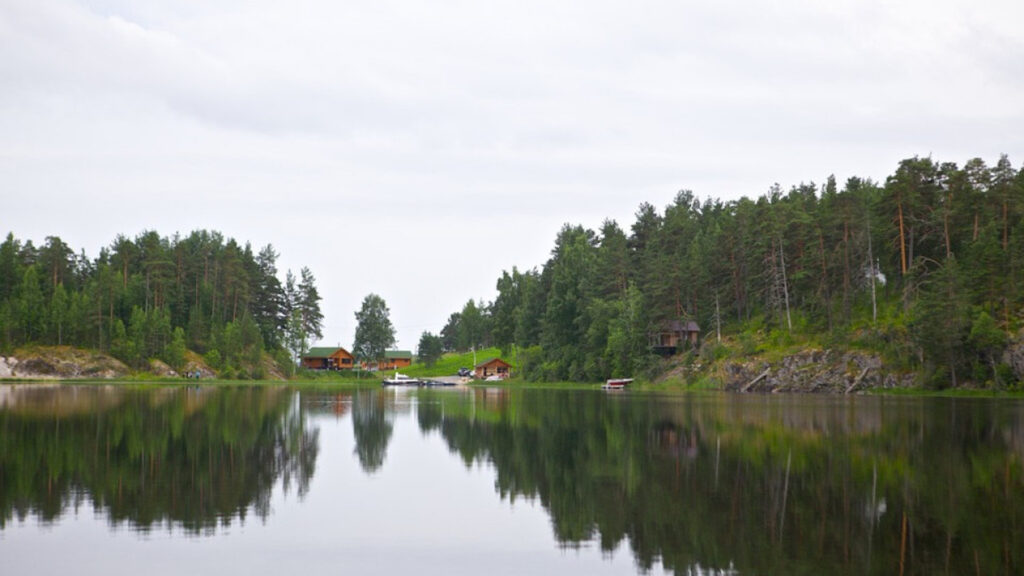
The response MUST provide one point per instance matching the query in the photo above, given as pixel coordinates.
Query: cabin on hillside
(493, 367)
(674, 337)
(395, 360)
(325, 358)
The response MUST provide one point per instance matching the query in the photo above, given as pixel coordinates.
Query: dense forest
(926, 269)
(157, 297)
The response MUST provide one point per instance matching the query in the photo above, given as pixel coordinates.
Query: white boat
(616, 384)
(401, 380)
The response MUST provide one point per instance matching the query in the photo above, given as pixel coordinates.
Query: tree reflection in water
(705, 484)
(187, 457)
(373, 424)
(754, 484)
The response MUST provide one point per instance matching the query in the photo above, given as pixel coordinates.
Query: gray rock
(1013, 356)
(818, 371)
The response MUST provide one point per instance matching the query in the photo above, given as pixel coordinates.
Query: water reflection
(373, 424)
(778, 485)
(697, 484)
(191, 458)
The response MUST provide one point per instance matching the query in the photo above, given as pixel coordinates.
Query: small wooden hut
(674, 336)
(492, 367)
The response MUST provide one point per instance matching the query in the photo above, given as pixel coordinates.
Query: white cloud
(452, 139)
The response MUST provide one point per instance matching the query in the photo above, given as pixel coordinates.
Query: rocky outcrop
(195, 366)
(821, 371)
(7, 366)
(61, 362)
(1013, 356)
(160, 368)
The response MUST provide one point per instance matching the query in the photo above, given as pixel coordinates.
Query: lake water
(270, 480)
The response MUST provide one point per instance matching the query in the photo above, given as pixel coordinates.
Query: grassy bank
(449, 364)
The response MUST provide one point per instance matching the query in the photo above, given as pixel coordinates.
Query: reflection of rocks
(815, 371)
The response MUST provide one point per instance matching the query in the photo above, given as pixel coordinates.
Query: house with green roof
(395, 360)
(328, 358)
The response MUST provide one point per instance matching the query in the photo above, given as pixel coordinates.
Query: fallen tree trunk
(856, 381)
(756, 380)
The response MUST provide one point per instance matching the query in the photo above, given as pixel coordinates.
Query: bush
(213, 359)
(748, 344)
(711, 351)
(284, 362)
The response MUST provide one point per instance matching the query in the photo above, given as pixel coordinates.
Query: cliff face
(1013, 356)
(68, 363)
(60, 362)
(820, 371)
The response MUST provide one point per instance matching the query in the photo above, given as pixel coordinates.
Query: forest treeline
(925, 268)
(157, 297)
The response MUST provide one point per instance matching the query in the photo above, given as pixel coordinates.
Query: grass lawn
(449, 364)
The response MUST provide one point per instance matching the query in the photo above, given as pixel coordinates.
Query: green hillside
(450, 363)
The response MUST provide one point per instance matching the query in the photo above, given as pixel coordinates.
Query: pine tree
(268, 303)
(308, 304)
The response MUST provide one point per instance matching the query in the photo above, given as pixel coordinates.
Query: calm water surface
(266, 480)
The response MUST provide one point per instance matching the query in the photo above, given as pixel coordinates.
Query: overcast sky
(417, 149)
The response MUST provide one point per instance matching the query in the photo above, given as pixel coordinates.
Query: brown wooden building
(674, 336)
(328, 359)
(492, 367)
(393, 360)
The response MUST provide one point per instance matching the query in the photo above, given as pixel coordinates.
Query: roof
(677, 326)
(393, 354)
(491, 361)
(323, 352)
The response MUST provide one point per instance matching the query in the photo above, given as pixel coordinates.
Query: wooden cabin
(395, 360)
(674, 336)
(324, 358)
(494, 366)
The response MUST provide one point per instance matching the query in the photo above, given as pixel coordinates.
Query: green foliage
(213, 359)
(940, 323)
(174, 353)
(284, 362)
(448, 364)
(987, 341)
(430, 349)
(130, 299)
(712, 351)
(374, 332)
(895, 268)
(472, 327)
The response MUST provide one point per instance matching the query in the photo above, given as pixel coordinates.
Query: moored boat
(616, 383)
(401, 380)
